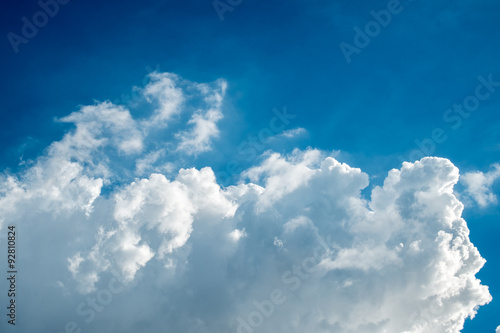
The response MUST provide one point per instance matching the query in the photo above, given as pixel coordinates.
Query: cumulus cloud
(403, 254)
(478, 185)
(293, 247)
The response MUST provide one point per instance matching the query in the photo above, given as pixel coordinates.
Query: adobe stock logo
(225, 6)
(251, 148)
(363, 37)
(95, 305)
(292, 280)
(454, 116)
(29, 30)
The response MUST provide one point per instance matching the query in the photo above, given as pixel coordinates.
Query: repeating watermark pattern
(40, 19)
(454, 116)
(11, 274)
(223, 6)
(96, 303)
(373, 28)
(292, 280)
(253, 145)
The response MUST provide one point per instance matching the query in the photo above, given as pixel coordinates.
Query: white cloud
(364, 258)
(173, 96)
(164, 90)
(204, 122)
(497, 330)
(96, 123)
(156, 203)
(281, 176)
(57, 182)
(196, 256)
(479, 185)
(407, 250)
(292, 133)
(162, 210)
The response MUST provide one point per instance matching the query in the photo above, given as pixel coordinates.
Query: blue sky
(367, 112)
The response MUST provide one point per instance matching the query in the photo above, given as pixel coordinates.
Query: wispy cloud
(204, 121)
(479, 185)
(293, 133)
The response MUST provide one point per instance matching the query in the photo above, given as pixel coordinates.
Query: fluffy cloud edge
(479, 185)
(410, 226)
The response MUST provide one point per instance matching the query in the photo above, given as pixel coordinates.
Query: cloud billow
(293, 247)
